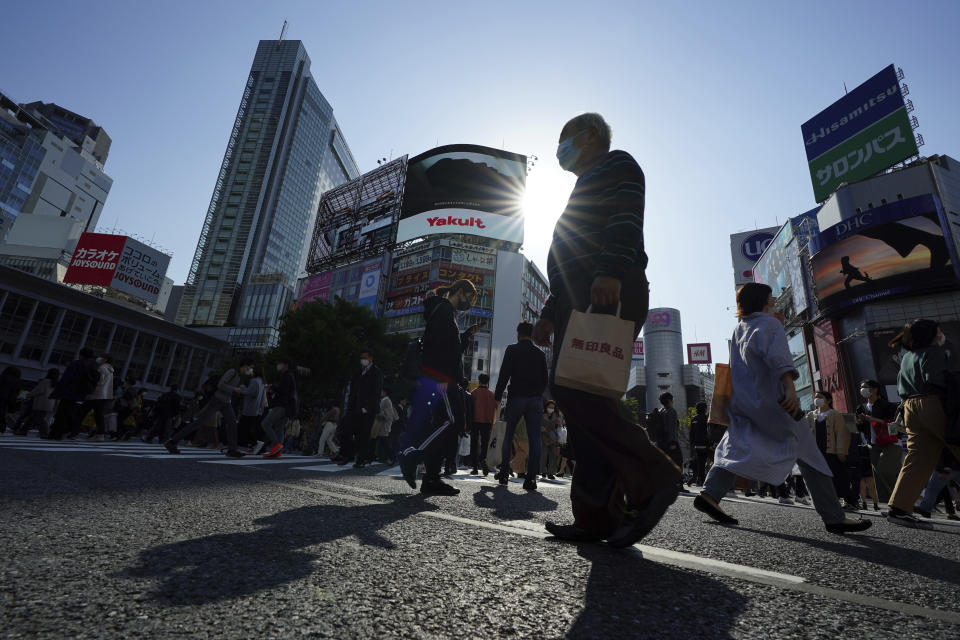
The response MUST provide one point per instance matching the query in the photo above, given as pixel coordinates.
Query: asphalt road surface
(122, 540)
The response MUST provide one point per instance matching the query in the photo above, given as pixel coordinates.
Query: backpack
(413, 356)
(656, 426)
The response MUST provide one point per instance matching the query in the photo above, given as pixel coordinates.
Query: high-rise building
(52, 187)
(284, 151)
(80, 130)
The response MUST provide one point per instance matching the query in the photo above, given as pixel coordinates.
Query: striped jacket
(600, 233)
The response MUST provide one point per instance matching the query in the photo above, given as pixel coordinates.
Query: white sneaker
(786, 500)
(803, 501)
(257, 448)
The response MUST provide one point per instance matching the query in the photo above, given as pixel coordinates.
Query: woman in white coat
(764, 438)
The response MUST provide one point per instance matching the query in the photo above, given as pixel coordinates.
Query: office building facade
(284, 151)
(52, 187)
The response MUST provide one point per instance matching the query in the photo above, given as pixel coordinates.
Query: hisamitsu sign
(861, 134)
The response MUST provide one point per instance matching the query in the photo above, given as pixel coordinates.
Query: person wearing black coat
(438, 415)
(700, 449)
(76, 383)
(362, 409)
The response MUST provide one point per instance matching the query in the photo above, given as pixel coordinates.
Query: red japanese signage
(638, 348)
(95, 259)
(602, 347)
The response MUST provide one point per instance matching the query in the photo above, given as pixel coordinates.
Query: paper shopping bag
(596, 353)
(722, 391)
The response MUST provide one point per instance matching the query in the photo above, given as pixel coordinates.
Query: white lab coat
(763, 442)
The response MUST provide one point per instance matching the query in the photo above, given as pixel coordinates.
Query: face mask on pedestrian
(550, 410)
(865, 393)
(941, 340)
(100, 360)
(364, 363)
(819, 403)
(567, 154)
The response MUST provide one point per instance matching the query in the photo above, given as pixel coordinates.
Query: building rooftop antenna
(283, 31)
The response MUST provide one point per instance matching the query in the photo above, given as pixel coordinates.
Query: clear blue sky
(709, 97)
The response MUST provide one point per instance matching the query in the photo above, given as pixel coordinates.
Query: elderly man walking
(623, 484)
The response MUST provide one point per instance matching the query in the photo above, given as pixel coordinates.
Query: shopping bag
(464, 445)
(596, 353)
(497, 433)
(722, 391)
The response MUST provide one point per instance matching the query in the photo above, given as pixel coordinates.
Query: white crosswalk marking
(306, 464)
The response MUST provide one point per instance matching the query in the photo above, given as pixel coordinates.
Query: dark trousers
(531, 410)
(363, 444)
(617, 465)
(66, 419)
(100, 408)
(248, 430)
(161, 428)
(841, 478)
(479, 441)
(215, 405)
(434, 426)
(700, 457)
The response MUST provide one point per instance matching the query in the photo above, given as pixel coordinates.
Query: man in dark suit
(362, 408)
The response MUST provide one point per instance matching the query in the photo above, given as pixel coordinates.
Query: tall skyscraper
(284, 151)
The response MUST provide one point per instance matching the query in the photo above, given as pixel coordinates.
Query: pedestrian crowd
(624, 477)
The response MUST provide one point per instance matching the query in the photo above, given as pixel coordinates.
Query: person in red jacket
(484, 411)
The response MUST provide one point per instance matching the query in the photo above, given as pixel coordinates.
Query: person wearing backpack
(438, 412)
(77, 382)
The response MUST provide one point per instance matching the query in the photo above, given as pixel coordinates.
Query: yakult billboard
(465, 189)
(118, 262)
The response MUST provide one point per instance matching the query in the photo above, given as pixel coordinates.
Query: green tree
(327, 339)
(630, 408)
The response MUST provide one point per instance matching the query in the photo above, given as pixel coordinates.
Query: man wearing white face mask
(362, 409)
(283, 407)
(623, 484)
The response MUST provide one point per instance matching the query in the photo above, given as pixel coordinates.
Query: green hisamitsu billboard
(861, 134)
(877, 147)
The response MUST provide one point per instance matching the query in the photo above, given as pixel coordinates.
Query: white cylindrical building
(663, 352)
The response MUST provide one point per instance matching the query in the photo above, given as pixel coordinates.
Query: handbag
(722, 392)
(464, 445)
(595, 354)
(495, 448)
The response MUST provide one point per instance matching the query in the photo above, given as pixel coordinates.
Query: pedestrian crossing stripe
(149, 451)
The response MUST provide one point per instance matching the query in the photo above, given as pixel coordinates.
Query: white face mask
(819, 403)
(941, 340)
(100, 360)
(364, 363)
(550, 410)
(865, 393)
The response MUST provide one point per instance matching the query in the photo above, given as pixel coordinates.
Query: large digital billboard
(465, 189)
(118, 262)
(780, 267)
(862, 133)
(889, 250)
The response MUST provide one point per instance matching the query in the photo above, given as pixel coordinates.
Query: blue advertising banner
(866, 105)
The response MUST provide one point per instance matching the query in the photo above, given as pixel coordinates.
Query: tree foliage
(327, 338)
(630, 408)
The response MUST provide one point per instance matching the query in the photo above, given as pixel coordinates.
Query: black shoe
(552, 477)
(449, 472)
(474, 471)
(571, 533)
(529, 485)
(503, 477)
(409, 470)
(438, 488)
(485, 469)
(635, 527)
(233, 453)
(849, 526)
(904, 519)
(925, 514)
(171, 447)
(702, 504)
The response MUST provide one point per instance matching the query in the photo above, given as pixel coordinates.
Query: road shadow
(508, 505)
(628, 596)
(875, 551)
(231, 565)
